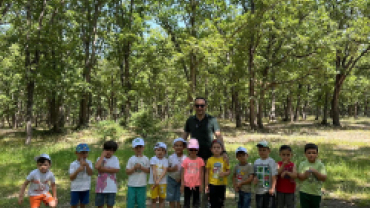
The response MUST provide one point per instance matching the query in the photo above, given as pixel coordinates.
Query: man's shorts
(158, 191)
(173, 190)
(108, 198)
(79, 197)
(35, 201)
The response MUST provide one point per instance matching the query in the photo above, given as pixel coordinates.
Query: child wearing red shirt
(287, 173)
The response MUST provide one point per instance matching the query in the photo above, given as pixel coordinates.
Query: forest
(78, 62)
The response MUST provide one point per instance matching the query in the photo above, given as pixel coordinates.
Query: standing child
(192, 175)
(265, 177)
(157, 178)
(39, 188)
(287, 173)
(242, 178)
(312, 174)
(80, 172)
(106, 185)
(137, 170)
(217, 170)
(174, 173)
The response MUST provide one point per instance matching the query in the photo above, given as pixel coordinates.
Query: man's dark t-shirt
(203, 131)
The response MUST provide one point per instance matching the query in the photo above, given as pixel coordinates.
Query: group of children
(188, 175)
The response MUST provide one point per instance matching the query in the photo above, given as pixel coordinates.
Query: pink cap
(193, 144)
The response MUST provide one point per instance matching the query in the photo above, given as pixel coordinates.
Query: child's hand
(222, 174)
(206, 190)
(236, 188)
(182, 189)
(154, 186)
(175, 168)
(137, 166)
(283, 174)
(20, 200)
(255, 181)
(271, 191)
(313, 170)
(239, 185)
(103, 154)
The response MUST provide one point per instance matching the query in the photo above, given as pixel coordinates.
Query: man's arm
(185, 135)
(219, 137)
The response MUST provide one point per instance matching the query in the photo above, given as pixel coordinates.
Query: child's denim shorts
(79, 197)
(107, 198)
(173, 190)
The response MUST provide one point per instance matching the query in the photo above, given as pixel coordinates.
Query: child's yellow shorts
(158, 191)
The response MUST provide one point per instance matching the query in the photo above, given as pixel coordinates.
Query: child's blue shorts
(173, 190)
(79, 197)
(108, 198)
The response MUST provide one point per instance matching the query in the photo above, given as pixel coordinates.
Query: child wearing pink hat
(192, 175)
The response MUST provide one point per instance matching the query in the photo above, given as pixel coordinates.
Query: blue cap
(82, 147)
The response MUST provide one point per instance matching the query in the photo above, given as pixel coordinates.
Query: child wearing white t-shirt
(39, 188)
(137, 169)
(157, 178)
(80, 172)
(106, 185)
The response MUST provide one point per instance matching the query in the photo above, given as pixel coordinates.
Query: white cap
(137, 141)
(263, 144)
(160, 145)
(44, 156)
(179, 140)
(241, 149)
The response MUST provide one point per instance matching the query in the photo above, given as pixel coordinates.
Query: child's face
(216, 149)
(311, 155)
(192, 152)
(139, 149)
(242, 157)
(110, 153)
(43, 167)
(160, 152)
(179, 147)
(264, 152)
(82, 155)
(286, 155)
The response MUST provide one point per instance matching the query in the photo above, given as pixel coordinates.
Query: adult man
(203, 127)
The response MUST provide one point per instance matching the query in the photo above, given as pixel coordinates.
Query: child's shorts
(35, 201)
(158, 191)
(79, 197)
(108, 198)
(173, 190)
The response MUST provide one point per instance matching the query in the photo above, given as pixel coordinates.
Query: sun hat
(263, 144)
(82, 147)
(193, 144)
(43, 156)
(160, 145)
(241, 149)
(179, 140)
(137, 142)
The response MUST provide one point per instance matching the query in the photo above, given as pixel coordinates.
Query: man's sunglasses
(199, 106)
(193, 150)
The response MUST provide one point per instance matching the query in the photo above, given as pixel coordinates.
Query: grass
(344, 151)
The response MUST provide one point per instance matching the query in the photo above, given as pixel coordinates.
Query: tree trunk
(30, 90)
(273, 114)
(296, 114)
(286, 109)
(325, 117)
(335, 101)
(260, 108)
(365, 108)
(356, 110)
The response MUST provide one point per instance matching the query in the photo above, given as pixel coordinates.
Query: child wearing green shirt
(312, 174)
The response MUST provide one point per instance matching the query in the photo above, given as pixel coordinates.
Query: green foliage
(109, 130)
(144, 124)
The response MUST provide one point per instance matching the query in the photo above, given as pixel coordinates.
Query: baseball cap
(137, 141)
(193, 144)
(44, 156)
(241, 149)
(179, 140)
(82, 147)
(263, 144)
(160, 145)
